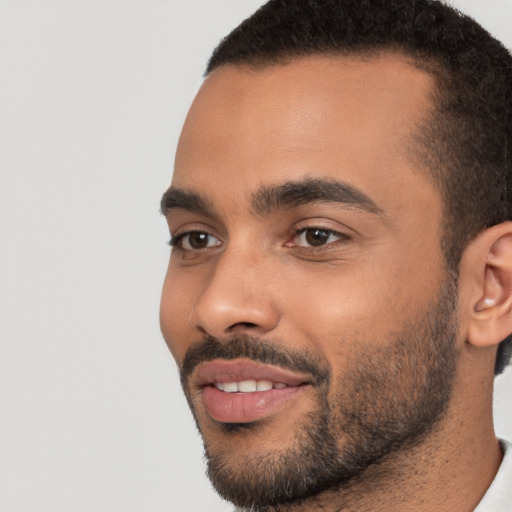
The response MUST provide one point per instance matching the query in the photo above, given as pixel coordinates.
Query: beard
(388, 400)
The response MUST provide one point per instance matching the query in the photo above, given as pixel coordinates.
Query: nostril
(242, 325)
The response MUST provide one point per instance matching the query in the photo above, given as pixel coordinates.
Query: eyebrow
(271, 198)
(311, 190)
(176, 198)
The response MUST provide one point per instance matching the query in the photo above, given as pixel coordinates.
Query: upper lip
(221, 370)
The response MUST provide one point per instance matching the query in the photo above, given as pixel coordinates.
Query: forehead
(344, 118)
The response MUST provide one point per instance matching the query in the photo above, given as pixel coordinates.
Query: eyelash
(343, 237)
(176, 241)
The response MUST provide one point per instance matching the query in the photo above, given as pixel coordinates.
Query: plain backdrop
(93, 96)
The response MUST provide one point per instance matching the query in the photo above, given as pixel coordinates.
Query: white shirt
(498, 497)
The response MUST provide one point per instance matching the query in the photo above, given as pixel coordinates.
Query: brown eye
(196, 240)
(317, 237)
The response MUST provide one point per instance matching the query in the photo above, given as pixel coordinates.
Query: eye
(194, 241)
(317, 237)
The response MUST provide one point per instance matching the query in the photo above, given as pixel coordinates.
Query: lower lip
(246, 407)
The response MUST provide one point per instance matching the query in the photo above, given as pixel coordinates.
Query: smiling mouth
(243, 391)
(249, 386)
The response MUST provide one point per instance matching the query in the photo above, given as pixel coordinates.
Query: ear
(487, 265)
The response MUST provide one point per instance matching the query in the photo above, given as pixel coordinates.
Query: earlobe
(490, 256)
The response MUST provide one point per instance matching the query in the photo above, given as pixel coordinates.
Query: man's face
(306, 300)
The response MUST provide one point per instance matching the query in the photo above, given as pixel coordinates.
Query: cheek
(340, 310)
(175, 308)
(367, 301)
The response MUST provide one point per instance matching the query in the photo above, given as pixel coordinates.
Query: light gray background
(93, 96)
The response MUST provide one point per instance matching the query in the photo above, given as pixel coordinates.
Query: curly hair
(466, 143)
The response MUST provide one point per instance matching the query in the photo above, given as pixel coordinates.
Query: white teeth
(249, 386)
(263, 385)
(230, 387)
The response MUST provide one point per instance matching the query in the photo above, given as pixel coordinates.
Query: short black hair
(466, 144)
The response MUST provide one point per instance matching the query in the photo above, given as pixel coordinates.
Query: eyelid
(186, 226)
(177, 240)
(342, 236)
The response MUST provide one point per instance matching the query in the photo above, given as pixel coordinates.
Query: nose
(237, 298)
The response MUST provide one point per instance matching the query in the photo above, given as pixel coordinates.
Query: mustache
(260, 350)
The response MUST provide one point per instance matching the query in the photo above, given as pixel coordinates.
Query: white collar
(498, 497)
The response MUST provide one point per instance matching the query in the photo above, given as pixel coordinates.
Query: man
(339, 291)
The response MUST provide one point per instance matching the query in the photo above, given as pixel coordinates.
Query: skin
(349, 120)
